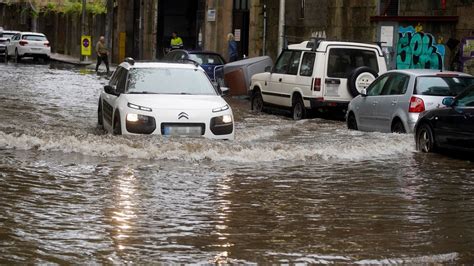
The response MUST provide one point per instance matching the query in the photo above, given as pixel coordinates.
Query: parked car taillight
(317, 84)
(416, 105)
(46, 44)
(23, 43)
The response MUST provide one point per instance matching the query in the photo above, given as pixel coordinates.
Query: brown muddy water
(282, 192)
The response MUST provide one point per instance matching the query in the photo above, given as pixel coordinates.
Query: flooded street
(282, 192)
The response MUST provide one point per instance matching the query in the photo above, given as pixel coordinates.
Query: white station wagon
(173, 99)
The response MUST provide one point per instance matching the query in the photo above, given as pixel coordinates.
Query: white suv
(317, 74)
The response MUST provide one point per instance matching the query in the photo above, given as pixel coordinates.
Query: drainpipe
(281, 26)
(264, 29)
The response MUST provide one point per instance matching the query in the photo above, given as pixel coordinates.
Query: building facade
(413, 34)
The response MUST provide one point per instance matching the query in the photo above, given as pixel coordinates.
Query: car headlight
(221, 120)
(137, 117)
(220, 109)
(138, 107)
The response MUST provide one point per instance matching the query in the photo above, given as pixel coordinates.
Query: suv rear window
(442, 86)
(343, 61)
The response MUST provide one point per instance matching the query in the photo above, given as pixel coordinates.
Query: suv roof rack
(314, 43)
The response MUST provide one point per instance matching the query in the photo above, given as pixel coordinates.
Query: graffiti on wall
(418, 50)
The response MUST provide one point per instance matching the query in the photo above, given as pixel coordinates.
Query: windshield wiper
(141, 92)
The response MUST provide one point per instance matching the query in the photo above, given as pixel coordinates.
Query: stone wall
(350, 20)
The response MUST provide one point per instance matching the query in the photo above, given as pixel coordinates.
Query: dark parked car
(207, 60)
(3, 48)
(451, 127)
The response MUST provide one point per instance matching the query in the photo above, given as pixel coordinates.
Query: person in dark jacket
(232, 49)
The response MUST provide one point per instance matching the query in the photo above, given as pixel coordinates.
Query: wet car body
(175, 99)
(450, 127)
(3, 47)
(209, 61)
(394, 101)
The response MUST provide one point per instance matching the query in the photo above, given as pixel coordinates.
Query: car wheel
(397, 127)
(100, 118)
(360, 79)
(298, 110)
(17, 56)
(351, 122)
(117, 128)
(425, 139)
(257, 101)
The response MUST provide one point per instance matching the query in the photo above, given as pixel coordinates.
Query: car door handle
(394, 102)
(374, 103)
(280, 79)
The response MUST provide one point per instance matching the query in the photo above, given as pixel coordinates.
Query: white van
(317, 74)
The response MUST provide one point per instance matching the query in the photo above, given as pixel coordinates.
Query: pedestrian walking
(102, 54)
(176, 41)
(232, 49)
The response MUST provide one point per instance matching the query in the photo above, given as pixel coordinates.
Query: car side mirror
(110, 90)
(224, 90)
(449, 102)
(363, 92)
(268, 69)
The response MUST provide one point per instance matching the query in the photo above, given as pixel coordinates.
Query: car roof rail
(130, 60)
(314, 43)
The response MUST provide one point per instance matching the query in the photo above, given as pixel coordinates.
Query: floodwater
(282, 192)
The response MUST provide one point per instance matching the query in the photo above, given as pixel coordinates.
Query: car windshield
(466, 99)
(169, 81)
(207, 59)
(8, 35)
(34, 37)
(442, 85)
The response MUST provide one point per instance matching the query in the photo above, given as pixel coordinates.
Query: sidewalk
(69, 59)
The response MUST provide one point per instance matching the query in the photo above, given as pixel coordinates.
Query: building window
(241, 4)
(303, 4)
(389, 7)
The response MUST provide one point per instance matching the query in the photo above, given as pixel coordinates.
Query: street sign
(86, 45)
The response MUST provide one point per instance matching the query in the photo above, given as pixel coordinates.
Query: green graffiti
(418, 50)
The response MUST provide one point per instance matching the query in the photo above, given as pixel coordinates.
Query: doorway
(240, 26)
(182, 16)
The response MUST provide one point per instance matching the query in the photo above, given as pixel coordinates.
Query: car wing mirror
(224, 90)
(109, 89)
(363, 92)
(268, 69)
(449, 101)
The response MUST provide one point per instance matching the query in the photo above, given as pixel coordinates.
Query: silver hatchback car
(393, 102)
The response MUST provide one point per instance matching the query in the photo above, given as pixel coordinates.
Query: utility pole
(34, 18)
(83, 24)
(281, 26)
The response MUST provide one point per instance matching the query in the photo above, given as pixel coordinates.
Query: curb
(71, 61)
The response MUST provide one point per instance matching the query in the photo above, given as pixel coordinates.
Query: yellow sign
(86, 45)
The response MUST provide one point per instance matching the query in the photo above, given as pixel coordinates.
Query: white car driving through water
(172, 99)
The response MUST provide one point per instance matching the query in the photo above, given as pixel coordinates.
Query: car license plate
(182, 131)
